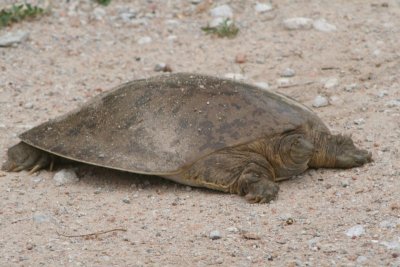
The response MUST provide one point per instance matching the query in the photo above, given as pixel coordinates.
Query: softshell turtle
(194, 129)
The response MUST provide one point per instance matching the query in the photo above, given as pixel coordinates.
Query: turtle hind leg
(337, 151)
(25, 157)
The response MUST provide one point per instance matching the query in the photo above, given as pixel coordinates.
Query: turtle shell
(162, 124)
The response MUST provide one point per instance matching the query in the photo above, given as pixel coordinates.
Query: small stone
(282, 82)
(262, 85)
(29, 246)
(162, 67)
(214, 235)
(240, 58)
(355, 231)
(235, 76)
(288, 72)
(65, 176)
(361, 259)
(40, 218)
(224, 11)
(218, 21)
(11, 38)
(219, 261)
(126, 200)
(127, 15)
(345, 183)
(298, 23)
(144, 40)
(331, 83)
(250, 235)
(99, 13)
(323, 26)
(320, 101)
(351, 87)
(387, 224)
(262, 7)
(359, 121)
(28, 105)
(232, 229)
(391, 245)
(393, 103)
(382, 93)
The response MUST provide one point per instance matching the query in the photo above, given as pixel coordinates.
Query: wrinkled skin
(250, 170)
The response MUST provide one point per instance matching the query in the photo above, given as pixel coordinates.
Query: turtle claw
(34, 169)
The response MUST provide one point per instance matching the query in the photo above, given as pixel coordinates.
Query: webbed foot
(25, 157)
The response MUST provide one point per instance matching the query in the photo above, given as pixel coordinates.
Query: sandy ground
(80, 50)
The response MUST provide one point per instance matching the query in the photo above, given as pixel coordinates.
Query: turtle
(194, 129)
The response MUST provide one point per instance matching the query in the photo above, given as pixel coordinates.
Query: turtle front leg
(25, 157)
(337, 151)
(256, 184)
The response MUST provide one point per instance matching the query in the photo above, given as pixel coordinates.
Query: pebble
(393, 103)
(224, 11)
(391, 245)
(288, 72)
(11, 38)
(162, 67)
(240, 58)
(351, 87)
(331, 83)
(262, 85)
(359, 121)
(320, 101)
(262, 7)
(387, 224)
(28, 105)
(40, 218)
(218, 21)
(99, 13)
(361, 259)
(345, 183)
(144, 40)
(214, 235)
(355, 231)
(127, 15)
(235, 76)
(65, 176)
(232, 229)
(283, 82)
(299, 23)
(126, 200)
(323, 26)
(382, 93)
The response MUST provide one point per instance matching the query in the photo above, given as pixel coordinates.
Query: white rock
(224, 11)
(355, 231)
(218, 21)
(65, 176)
(144, 40)
(283, 82)
(361, 259)
(323, 26)
(235, 76)
(298, 23)
(382, 93)
(391, 245)
(288, 72)
(11, 38)
(320, 101)
(263, 7)
(41, 218)
(232, 229)
(99, 13)
(359, 121)
(351, 87)
(393, 103)
(331, 83)
(215, 234)
(127, 16)
(262, 85)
